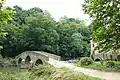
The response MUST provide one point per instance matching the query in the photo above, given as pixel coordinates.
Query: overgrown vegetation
(109, 66)
(46, 73)
(85, 61)
(7, 62)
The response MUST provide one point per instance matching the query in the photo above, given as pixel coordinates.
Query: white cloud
(57, 8)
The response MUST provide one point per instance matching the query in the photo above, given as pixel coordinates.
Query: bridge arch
(118, 57)
(97, 59)
(38, 61)
(19, 60)
(27, 59)
(30, 58)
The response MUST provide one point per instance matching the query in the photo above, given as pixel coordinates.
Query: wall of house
(104, 55)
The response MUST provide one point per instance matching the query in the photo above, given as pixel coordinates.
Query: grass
(102, 67)
(9, 69)
(71, 75)
(46, 73)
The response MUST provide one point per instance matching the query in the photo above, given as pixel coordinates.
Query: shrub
(7, 62)
(85, 61)
(42, 71)
(110, 64)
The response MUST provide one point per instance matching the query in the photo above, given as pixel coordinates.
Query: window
(111, 57)
(93, 52)
(92, 45)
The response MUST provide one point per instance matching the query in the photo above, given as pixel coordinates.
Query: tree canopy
(35, 30)
(5, 15)
(105, 15)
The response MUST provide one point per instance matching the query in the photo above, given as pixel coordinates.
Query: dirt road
(90, 72)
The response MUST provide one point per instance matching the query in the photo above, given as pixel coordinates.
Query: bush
(110, 64)
(7, 62)
(85, 61)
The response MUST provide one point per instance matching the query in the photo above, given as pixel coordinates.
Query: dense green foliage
(106, 23)
(5, 15)
(7, 62)
(85, 61)
(110, 64)
(46, 73)
(35, 29)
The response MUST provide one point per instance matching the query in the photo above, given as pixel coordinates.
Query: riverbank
(45, 73)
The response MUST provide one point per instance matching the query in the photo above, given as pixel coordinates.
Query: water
(11, 69)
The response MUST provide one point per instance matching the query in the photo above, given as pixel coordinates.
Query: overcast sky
(57, 8)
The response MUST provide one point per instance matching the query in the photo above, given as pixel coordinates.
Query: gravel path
(90, 72)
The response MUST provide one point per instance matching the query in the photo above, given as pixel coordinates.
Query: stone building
(97, 56)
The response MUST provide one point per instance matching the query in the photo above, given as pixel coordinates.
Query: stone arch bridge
(30, 58)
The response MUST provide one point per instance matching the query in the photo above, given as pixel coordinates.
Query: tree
(41, 32)
(80, 47)
(74, 38)
(5, 15)
(106, 23)
(10, 42)
(20, 15)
